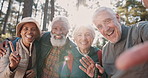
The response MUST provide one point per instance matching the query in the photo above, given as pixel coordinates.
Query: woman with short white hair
(83, 36)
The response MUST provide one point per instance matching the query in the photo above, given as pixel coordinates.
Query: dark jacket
(45, 47)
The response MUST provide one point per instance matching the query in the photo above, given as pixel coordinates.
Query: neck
(27, 46)
(84, 51)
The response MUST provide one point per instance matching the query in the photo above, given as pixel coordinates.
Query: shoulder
(140, 25)
(47, 34)
(95, 49)
(71, 44)
(45, 37)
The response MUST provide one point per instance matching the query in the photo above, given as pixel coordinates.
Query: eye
(33, 29)
(79, 35)
(107, 21)
(25, 28)
(88, 34)
(99, 26)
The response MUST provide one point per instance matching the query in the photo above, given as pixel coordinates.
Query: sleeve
(143, 30)
(5, 71)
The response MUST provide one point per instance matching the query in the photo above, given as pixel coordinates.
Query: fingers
(90, 60)
(17, 47)
(83, 63)
(11, 46)
(2, 48)
(83, 69)
(5, 43)
(30, 73)
(89, 71)
(2, 52)
(88, 65)
(14, 60)
(101, 70)
(15, 57)
(139, 53)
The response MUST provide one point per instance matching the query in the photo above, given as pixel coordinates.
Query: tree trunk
(6, 17)
(27, 10)
(1, 8)
(36, 8)
(45, 15)
(18, 15)
(52, 9)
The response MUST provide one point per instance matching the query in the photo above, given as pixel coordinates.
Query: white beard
(58, 42)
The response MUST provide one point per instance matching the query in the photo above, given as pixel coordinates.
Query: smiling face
(83, 37)
(29, 33)
(108, 25)
(58, 33)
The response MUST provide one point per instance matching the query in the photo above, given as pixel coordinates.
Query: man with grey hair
(120, 38)
(54, 46)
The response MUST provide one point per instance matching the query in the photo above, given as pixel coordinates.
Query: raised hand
(14, 56)
(3, 47)
(88, 66)
(138, 52)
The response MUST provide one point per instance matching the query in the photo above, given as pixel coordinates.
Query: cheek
(21, 33)
(102, 32)
(91, 40)
(77, 40)
(65, 32)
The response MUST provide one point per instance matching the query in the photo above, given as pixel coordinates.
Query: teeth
(58, 37)
(83, 43)
(109, 33)
(28, 36)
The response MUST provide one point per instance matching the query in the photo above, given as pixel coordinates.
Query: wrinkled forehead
(60, 24)
(105, 14)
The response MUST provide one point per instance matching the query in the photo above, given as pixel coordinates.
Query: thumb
(101, 70)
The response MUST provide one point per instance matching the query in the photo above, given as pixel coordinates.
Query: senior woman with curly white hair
(83, 36)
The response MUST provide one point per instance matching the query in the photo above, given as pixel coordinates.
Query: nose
(83, 37)
(58, 32)
(105, 28)
(29, 31)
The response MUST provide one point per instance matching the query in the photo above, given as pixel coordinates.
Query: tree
(18, 13)
(45, 15)
(131, 11)
(27, 10)
(52, 9)
(1, 7)
(7, 16)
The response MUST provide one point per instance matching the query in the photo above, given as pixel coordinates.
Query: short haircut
(101, 9)
(61, 19)
(78, 28)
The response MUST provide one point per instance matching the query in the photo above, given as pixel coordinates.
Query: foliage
(131, 11)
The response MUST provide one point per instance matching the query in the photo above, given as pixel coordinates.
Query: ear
(118, 17)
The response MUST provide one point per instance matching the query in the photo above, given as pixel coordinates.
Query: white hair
(61, 19)
(101, 9)
(80, 27)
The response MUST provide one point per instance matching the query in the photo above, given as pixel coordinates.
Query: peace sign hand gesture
(14, 57)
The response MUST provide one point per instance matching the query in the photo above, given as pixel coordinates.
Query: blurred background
(77, 12)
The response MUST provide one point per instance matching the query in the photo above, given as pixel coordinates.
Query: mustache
(52, 35)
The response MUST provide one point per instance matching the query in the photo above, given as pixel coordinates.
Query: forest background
(77, 12)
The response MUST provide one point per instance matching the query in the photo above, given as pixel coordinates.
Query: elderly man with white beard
(52, 49)
(54, 46)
